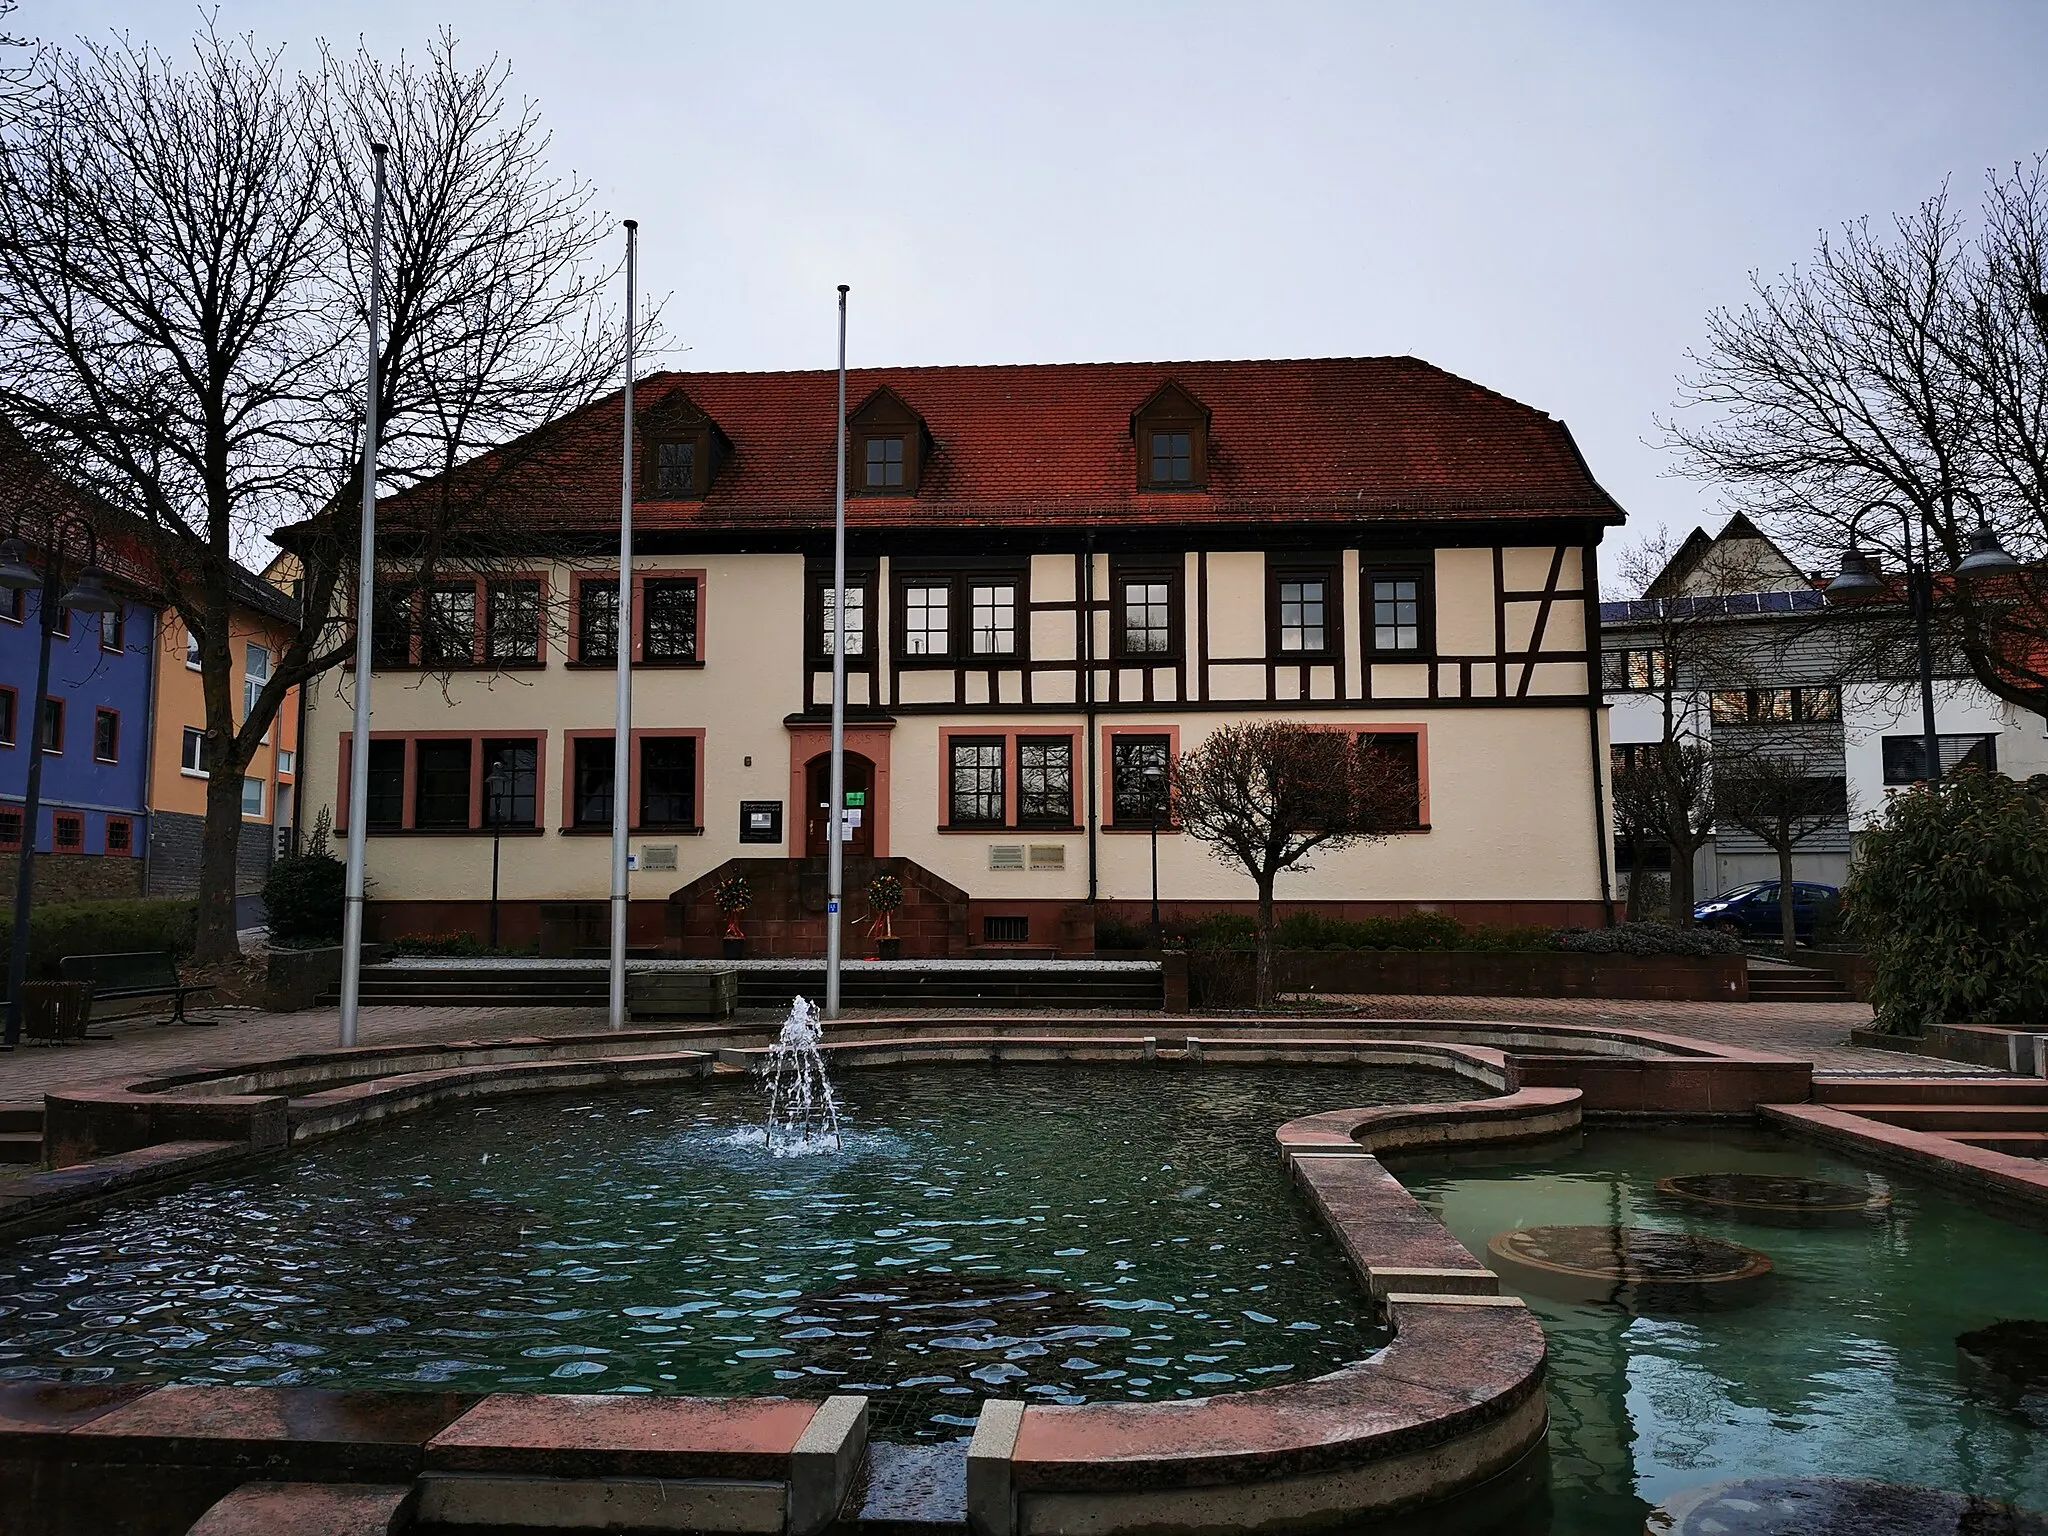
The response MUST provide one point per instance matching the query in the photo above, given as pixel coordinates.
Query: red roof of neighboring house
(1319, 440)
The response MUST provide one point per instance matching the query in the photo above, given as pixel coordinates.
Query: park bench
(142, 974)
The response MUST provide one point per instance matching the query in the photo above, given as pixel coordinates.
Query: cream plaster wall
(1511, 791)
(1237, 607)
(1464, 602)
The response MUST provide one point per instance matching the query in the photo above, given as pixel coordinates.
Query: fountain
(802, 1117)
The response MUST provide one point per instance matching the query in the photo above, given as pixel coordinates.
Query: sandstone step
(1945, 1118)
(2015, 1143)
(1951, 1088)
(22, 1117)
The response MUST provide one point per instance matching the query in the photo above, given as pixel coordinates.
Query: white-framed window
(255, 673)
(191, 651)
(1396, 613)
(1301, 615)
(994, 610)
(193, 758)
(856, 619)
(287, 760)
(925, 620)
(252, 797)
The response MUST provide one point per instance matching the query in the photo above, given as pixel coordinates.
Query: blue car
(1752, 910)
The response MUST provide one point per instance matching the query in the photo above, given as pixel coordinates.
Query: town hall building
(1059, 577)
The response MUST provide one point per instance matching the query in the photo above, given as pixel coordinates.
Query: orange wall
(180, 703)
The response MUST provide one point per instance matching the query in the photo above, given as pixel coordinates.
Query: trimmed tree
(1264, 795)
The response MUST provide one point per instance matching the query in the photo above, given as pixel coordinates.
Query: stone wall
(175, 840)
(74, 877)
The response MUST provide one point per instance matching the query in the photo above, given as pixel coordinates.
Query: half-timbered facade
(1058, 577)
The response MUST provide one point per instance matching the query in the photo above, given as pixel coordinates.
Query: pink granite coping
(1454, 1365)
(310, 1509)
(613, 1435)
(58, 1407)
(1524, 1115)
(313, 1433)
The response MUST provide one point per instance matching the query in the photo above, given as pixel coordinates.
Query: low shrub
(57, 929)
(1521, 940)
(1646, 939)
(447, 946)
(1114, 933)
(1947, 892)
(1217, 930)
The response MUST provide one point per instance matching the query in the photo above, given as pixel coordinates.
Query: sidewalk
(1816, 1032)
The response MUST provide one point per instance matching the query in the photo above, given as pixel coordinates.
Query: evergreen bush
(306, 893)
(57, 929)
(1948, 892)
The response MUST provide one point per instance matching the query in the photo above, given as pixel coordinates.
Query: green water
(1065, 1234)
(1848, 1367)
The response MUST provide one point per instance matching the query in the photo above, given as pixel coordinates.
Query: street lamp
(1155, 795)
(56, 534)
(497, 790)
(1859, 581)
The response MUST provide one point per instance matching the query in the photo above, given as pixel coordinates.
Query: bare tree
(1779, 799)
(1910, 365)
(182, 276)
(1264, 795)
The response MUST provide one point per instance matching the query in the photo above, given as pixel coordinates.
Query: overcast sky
(1544, 198)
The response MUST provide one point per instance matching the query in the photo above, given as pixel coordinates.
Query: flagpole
(835, 812)
(622, 651)
(366, 590)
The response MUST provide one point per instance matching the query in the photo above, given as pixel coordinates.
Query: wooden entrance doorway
(860, 805)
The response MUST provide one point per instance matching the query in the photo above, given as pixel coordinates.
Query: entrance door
(860, 804)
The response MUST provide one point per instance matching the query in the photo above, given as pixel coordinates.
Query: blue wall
(87, 678)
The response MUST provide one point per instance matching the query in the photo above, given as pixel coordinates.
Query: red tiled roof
(1321, 440)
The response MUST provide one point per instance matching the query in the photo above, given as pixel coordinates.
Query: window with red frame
(7, 697)
(10, 827)
(67, 832)
(53, 726)
(120, 836)
(114, 630)
(106, 735)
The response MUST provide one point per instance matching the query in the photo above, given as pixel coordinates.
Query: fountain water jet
(802, 1116)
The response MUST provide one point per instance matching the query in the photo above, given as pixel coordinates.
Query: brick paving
(1816, 1032)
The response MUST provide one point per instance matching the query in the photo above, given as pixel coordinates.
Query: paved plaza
(1817, 1032)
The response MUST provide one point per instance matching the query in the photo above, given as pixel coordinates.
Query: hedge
(57, 929)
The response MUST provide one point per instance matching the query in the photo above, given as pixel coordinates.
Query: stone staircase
(2007, 1114)
(21, 1133)
(1130, 985)
(1794, 984)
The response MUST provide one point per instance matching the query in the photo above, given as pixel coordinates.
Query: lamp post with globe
(54, 535)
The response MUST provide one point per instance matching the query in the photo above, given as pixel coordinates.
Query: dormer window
(1170, 433)
(1173, 460)
(887, 446)
(675, 468)
(681, 449)
(884, 464)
